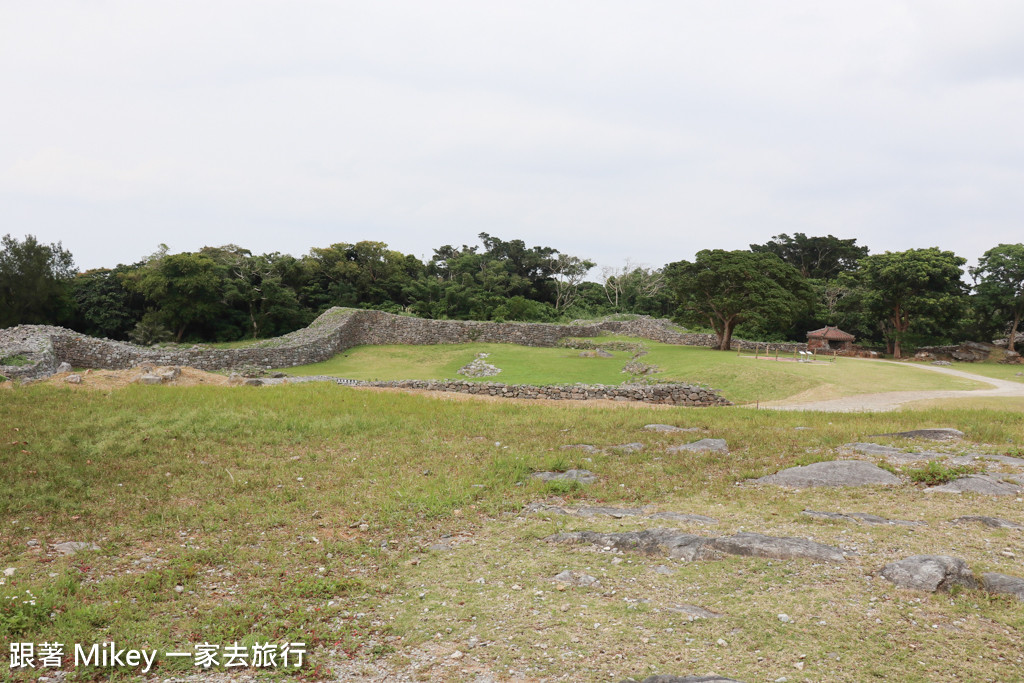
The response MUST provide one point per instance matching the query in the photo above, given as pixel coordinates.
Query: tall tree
(187, 288)
(1000, 283)
(34, 281)
(726, 288)
(820, 258)
(104, 306)
(915, 289)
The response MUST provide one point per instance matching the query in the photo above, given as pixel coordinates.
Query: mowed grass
(741, 379)
(305, 513)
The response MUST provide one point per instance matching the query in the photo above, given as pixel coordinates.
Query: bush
(935, 473)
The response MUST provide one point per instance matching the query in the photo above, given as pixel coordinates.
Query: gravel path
(891, 400)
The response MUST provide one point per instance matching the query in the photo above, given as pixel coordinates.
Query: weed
(936, 472)
(15, 360)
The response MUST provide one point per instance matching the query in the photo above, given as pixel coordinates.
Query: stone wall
(334, 331)
(670, 394)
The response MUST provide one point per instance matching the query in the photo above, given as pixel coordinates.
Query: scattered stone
(941, 362)
(785, 618)
(601, 353)
(179, 588)
(930, 573)
(702, 446)
(832, 473)
(9, 571)
(73, 379)
(664, 569)
(980, 458)
(581, 476)
(994, 522)
(859, 517)
(940, 434)
(479, 367)
(670, 428)
(694, 612)
(977, 483)
(782, 548)
(1002, 583)
(576, 578)
(252, 382)
(64, 367)
(440, 547)
(633, 447)
(72, 547)
(148, 378)
(689, 547)
(585, 447)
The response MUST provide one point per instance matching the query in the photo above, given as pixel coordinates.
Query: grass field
(742, 379)
(307, 513)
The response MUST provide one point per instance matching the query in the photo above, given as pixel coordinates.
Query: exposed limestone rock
(783, 548)
(72, 547)
(702, 446)
(73, 379)
(581, 476)
(977, 483)
(1002, 583)
(859, 517)
(628, 447)
(669, 428)
(994, 522)
(832, 473)
(148, 378)
(63, 367)
(694, 612)
(618, 513)
(479, 367)
(930, 573)
(939, 434)
(689, 547)
(682, 517)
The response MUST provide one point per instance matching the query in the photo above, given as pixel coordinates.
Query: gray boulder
(148, 378)
(702, 446)
(977, 483)
(73, 379)
(870, 449)
(617, 513)
(832, 473)
(581, 476)
(994, 522)
(575, 578)
(930, 573)
(782, 548)
(628, 447)
(64, 367)
(1002, 583)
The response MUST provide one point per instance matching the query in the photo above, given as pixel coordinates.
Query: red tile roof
(831, 334)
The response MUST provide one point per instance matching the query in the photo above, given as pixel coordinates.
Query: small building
(830, 338)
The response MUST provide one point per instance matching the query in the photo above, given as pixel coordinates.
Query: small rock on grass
(702, 446)
(581, 476)
(1002, 583)
(929, 573)
(633, 447)
(694, 612)
(9, 571)
(576, 578)
(994, 522)
(72, 547)
(669, 428)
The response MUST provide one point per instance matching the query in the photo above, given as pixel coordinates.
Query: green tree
(34, 281)
(726, 288)
(918, 290)
(821, 258)
(187, 289)
(1000, 283)
(104, 306)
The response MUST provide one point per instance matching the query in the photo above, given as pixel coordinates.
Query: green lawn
(996, 370)
(742, 379)
(308, 513)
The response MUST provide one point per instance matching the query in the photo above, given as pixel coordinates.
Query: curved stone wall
(337, 329)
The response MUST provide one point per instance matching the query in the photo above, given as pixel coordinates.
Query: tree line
(773, 291)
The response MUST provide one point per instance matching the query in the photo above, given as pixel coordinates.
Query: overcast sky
(608, 130)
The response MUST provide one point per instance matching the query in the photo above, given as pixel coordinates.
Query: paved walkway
(890, 400)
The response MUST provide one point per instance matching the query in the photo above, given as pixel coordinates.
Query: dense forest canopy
(774, 291)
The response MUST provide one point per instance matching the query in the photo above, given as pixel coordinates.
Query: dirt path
(891, 400)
